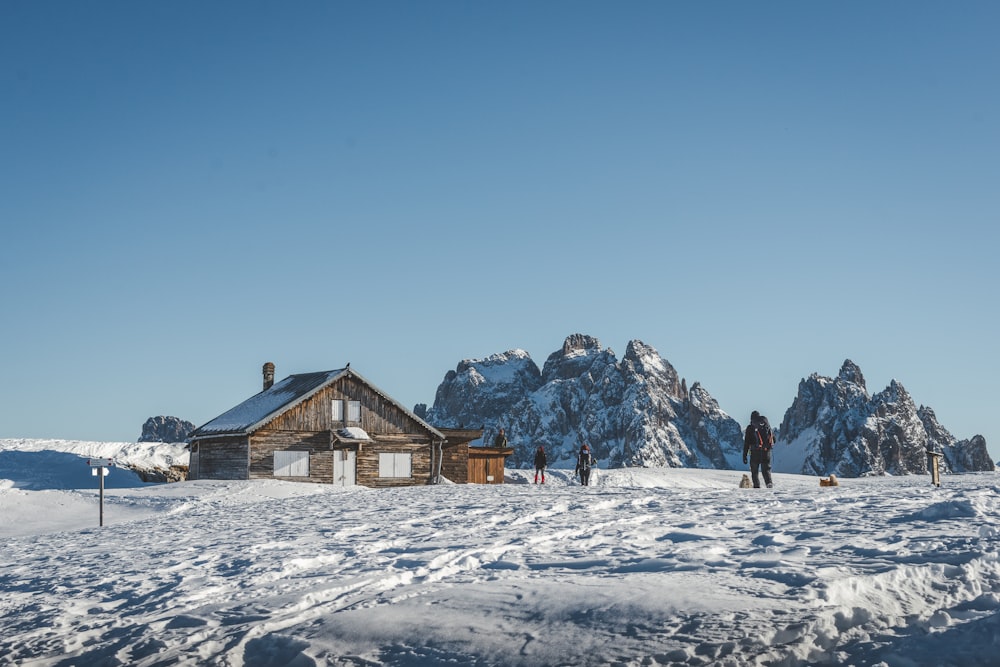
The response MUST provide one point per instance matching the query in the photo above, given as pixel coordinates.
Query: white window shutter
(395, 465)
(386, 465)
(403, 465)
(291, 464)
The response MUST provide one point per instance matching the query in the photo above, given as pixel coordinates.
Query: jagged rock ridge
(633, 412)
(834, 426)
(165, 429)
(639, 412)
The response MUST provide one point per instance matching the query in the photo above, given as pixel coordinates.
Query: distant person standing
(584, 462)
(540, 463)
(758, 442)
(501, 440)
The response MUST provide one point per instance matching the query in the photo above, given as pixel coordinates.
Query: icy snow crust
(645, 567)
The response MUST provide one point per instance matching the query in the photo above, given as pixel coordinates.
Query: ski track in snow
(693, 573)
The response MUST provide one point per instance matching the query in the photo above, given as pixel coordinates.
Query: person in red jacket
(540, 463)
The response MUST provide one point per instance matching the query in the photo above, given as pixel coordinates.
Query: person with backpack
(540, 462)
(758, 442)
(583, 464)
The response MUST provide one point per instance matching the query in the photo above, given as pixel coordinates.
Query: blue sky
(758, 190)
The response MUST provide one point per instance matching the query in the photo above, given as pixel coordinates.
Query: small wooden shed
(486, 464)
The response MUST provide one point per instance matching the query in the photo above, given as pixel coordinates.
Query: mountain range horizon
(638, 411)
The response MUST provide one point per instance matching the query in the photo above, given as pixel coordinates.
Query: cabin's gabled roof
(258, 410)
(268, 404)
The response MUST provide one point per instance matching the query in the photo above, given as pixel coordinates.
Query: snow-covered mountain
(32, 463)
(633, 412)
(834, 426)
(639, 412)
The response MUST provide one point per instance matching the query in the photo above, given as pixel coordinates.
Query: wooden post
(933, 467)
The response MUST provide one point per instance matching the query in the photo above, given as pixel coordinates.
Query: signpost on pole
(99, 467)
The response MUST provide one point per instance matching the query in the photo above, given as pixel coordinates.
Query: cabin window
(291, 464)
(354, 411)
(395, 465)
(338, 410)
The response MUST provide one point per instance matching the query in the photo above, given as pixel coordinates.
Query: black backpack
(763, 434)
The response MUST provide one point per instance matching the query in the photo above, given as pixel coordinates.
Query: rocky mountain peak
(478, 386)
(580, 355)
(927, 414)
(165, 429)
(640, 354)
(851, 372)
(833, 426)
(632, 412)
(580, 343)
(643, 361)
(959, 455)
(897, 393)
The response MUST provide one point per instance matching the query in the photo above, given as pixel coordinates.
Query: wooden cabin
(330, 427)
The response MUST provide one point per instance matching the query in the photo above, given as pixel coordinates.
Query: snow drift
(645, 567)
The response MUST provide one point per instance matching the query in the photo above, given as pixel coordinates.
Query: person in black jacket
(540, 462)
(583, 464)
(758, 442)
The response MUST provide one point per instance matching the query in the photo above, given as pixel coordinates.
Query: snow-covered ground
(645, 567)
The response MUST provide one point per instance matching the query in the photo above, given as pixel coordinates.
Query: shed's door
(477, 470)
(345, 463)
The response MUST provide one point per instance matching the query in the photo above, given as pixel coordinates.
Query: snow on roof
(353, 433)
(268, 403)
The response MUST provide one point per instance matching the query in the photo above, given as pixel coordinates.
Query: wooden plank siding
(378, 416)
(265, 442)
(420, 463)
(455, 463)
(223, 458)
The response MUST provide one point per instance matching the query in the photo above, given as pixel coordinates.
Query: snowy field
(645, 567)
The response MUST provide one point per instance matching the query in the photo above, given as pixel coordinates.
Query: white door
(345, 462)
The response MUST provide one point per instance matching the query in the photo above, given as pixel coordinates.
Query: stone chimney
(268, 375)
